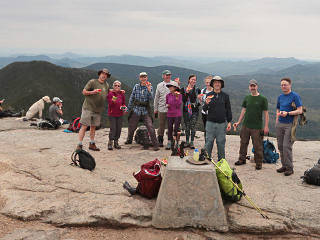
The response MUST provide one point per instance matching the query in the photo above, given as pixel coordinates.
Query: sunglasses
(116, 85)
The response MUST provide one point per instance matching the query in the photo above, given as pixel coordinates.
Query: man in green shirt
(252, 108)
(95, 93)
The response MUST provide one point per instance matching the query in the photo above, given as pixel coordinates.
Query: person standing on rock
(116, 109)
(95, 93)
(284, 120)
(204, 93)
(190, 111)
(219, 117)
(139, 107)
(173, 101)
(160, 107)
(253, 107)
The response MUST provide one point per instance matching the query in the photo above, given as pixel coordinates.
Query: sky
(203, 28)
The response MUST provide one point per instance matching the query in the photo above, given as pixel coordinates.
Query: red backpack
(149, 179)
(75, 125)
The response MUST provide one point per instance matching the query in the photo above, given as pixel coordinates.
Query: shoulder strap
(74, 158)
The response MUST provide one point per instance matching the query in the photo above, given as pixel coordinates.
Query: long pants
(133, 123)
(256, 137)
(162, 123)
(115, 127)
(204, 120)
(190, 124)
(173, 126)
(216, 131)
(283, 131)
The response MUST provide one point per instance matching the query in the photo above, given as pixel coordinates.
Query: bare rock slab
(31, 234)
(189, 196)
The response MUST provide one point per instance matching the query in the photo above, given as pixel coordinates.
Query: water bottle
(196, 154)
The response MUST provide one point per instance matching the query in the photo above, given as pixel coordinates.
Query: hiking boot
(258, 167)
(130, 189)
(238, 163)
(281, 170)
(79, 147)
(160, 140)
(191, 145)
(116, 144)
(128, 141)
(168, 147)
(110, 145)
(288, 172)
(93, 147)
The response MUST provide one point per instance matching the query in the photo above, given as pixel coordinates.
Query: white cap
(56, 99)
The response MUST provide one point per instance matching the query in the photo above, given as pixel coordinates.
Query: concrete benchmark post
(189, 196)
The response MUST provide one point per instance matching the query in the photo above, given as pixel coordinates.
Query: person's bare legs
(81, 134)
(92, 133)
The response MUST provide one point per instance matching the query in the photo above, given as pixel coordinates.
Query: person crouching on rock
(95, 93)
(8, 113)
(116, 109)
(55, 112)
(173, 101)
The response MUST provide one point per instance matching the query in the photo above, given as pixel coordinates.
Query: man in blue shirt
(139, 104)
(284, 120)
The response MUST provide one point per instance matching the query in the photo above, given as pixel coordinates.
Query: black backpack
(312, 175)
(142, 137)
(84, 160)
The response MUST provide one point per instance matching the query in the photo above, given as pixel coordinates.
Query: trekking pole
(238, 188)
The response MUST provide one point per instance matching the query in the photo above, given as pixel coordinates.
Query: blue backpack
(270, 154)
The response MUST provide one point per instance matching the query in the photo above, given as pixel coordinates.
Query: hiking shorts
(89, 118)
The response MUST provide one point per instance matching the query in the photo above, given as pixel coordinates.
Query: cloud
(225, 28)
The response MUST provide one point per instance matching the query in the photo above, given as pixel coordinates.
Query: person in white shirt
(203, 93)
(160, 107)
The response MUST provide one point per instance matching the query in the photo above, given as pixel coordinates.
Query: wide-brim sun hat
(106, 71)
(173, 84)
(217, 78)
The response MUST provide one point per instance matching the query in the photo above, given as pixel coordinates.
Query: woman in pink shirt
(173, 101)
(116, 108)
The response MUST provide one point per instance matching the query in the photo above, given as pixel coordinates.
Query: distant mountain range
(23, 83)
(223, 68)
(129, 73)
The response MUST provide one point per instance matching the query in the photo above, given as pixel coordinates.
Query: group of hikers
(173, 102)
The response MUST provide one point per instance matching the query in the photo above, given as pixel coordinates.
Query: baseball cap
(56, 99)
(253, 82)
(166, 72)
(143, 74)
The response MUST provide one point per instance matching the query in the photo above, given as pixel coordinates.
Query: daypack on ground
(83, 159)
(142, 137)
(47, 124)
(270, 154)
(228, 191)
(75, 125)
(312, 175)
(149, 179)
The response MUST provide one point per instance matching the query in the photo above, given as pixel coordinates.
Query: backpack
(312, 175)
(85, 160)
(270, 154)
(142, 137)
(228, 191)
(75, 125)
(46, 124)
(149, 179)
